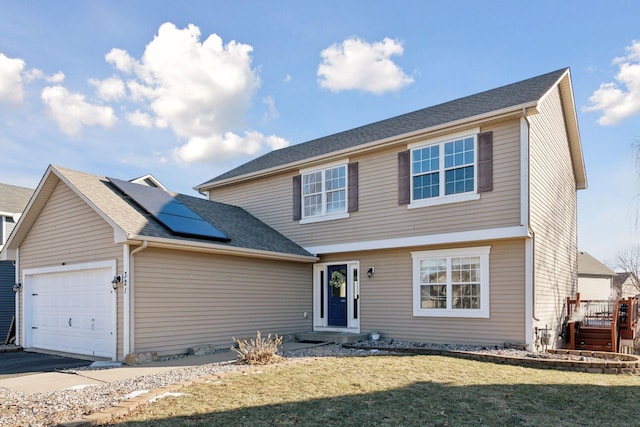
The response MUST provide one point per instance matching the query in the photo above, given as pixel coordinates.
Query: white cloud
(200, 90)
(56, 78)
(71, 111)
(111, 89)
(272, 112)
(121, 60)
(36, 74)
(140, 119)
(618, 101)
(220, 149)
(356, 64)
(11, 88)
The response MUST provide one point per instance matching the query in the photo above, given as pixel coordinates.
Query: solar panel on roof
(172, 213)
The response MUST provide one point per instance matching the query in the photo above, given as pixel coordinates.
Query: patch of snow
(168, 394)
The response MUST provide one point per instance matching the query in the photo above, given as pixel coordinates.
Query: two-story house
(13, 200)
(451, 224)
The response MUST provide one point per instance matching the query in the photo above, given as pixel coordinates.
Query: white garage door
(71, 311)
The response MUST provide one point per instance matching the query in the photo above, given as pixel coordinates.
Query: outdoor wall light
(17, 287)
(370, 272)
(115, 281)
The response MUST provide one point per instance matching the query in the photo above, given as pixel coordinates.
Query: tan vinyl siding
(379, 215)
(185, 299)
(68, 231)
(553, 214)
(386, 299)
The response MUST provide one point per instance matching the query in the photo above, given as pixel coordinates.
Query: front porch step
(334, 337)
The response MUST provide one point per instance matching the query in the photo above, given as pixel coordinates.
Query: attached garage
(71, 309)
(177, 286)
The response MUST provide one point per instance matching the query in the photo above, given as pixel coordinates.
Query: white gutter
(163, 242)
(377, 144)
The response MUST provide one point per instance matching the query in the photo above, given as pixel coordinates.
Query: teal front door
(337, 292)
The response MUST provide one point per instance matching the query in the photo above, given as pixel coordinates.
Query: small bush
(258, 350)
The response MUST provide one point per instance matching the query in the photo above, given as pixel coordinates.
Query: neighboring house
(81, 236)
(451, 224)
(626, 284)
(13, 200)
(595, 280)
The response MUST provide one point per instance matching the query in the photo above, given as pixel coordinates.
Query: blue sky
(188, 90)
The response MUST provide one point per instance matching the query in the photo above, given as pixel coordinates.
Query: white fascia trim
(17, 298)
(530, 107)
(126, 303)
(162, 242)
(425, 240)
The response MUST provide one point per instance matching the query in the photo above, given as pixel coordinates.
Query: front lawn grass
(400, 390)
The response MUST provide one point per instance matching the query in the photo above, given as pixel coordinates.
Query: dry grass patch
(400, 390)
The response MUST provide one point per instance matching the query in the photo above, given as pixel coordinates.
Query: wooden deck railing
(620, 316)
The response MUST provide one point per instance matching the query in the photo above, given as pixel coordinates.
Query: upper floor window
(324, 192)
(327, 193)
(443, 169)
(451, 169)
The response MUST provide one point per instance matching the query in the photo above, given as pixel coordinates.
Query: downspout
(129, 312)
(525, 218)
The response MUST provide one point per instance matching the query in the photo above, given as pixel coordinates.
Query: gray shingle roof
(515, 94)
(14, 199)
(589, 266)
(244, 230)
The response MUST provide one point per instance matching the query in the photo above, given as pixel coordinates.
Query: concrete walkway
(54, 381)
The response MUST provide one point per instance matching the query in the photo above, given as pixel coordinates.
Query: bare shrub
(258, 350)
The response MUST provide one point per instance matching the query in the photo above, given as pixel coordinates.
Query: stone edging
(613, 363)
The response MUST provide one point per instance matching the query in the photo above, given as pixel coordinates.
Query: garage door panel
(74, 312)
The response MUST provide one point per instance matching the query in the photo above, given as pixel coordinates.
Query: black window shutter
(485, 162)
(353, 187)
(404, 177)
(297, 197)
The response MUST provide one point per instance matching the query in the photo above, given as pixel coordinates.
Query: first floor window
(452, 283)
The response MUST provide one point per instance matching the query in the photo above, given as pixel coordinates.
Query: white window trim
(445, 199)
(331, 216)
(483, 312)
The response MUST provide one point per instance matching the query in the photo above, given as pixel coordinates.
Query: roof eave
(573, 132)
(167, 243)
(529, 107)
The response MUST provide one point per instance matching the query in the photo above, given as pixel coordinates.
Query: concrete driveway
(17, 363)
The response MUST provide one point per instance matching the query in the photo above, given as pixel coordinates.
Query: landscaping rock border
(599, 362)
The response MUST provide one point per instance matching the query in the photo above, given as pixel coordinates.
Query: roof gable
(514, 96)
